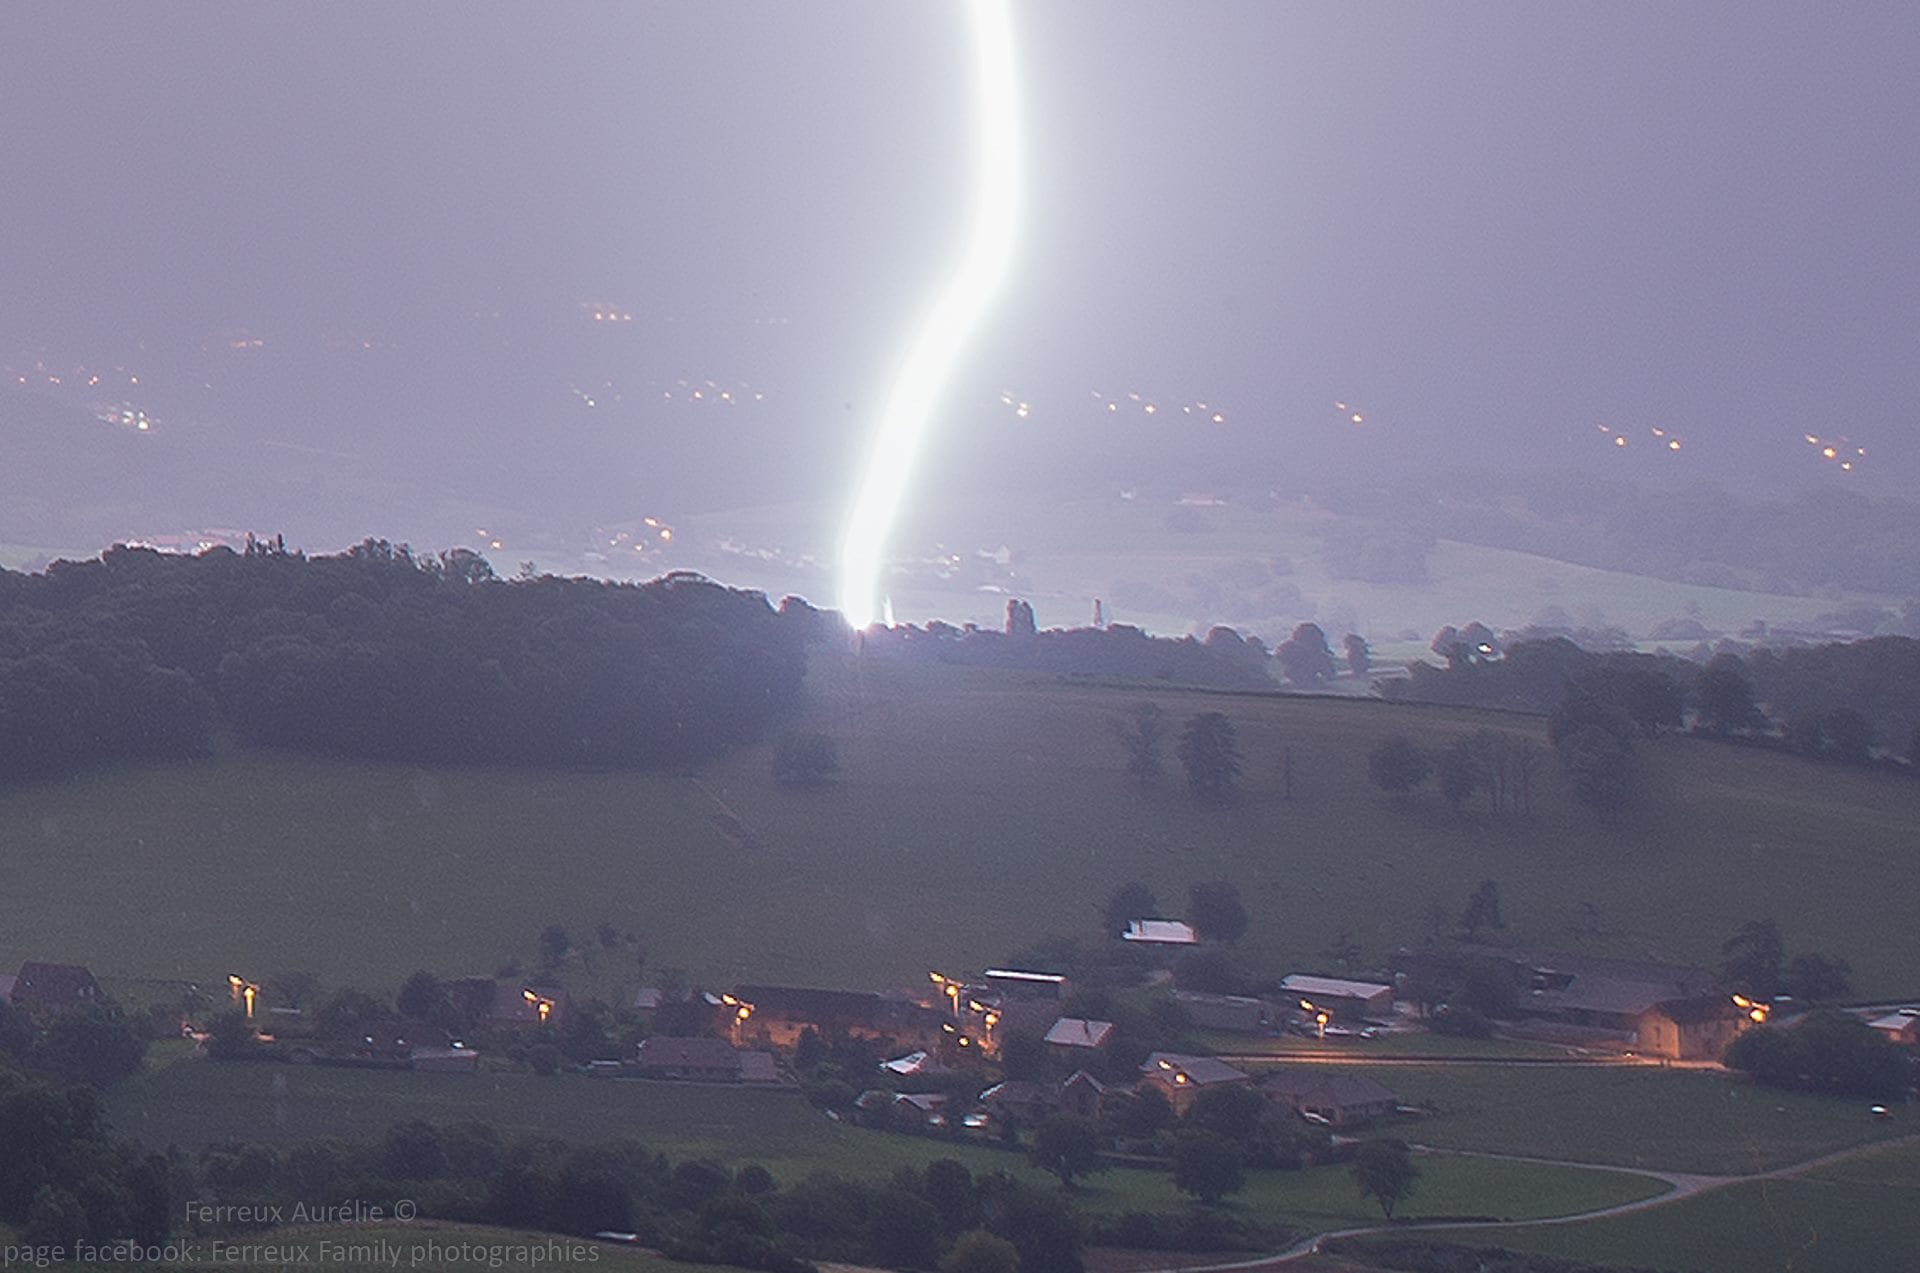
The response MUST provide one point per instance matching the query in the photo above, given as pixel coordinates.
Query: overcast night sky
(1491, 227)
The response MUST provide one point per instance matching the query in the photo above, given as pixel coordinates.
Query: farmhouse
(1345, 1000)
(50, 988)
(1182, 1078)
(1079, 1037)
(1340, 1100)
(1020, 1101)
(778, 1015)
(1901, 1026)
(1159, 932)
(1693, 1029)
(1667, 1010)
(1084, 1095)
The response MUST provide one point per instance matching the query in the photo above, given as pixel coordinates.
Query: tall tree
(1304, 657)
(1216, 912)
(1067, 1146)
(1483, 909)
(1723, 696)
(1208, 1166)
(1144, 734)
(1397, 764)
(1385, 1172)
(1210, 756)
(1754, 959)
(1359, 656)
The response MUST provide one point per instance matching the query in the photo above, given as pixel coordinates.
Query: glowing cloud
(943, 335)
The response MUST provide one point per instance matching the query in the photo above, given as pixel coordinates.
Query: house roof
(1077, 1032)
(758, 1067)
(926, 1102)
(1316, 1087)
(1601, 993)
(53, 985)
(914, 1063)
(1901, 1020)
(704, 1054)
(1020, 976)
(1200, 1071)
(1332, 987)
(1160, 932)
(1019, 1092)
(1080, 1078)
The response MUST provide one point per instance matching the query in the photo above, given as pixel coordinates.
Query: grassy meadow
(190, 1103)
(978, 811)
(1859, 1214)
(1700, 1121)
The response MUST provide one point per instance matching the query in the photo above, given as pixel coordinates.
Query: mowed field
(193, 1102)
(1848, 1217)
(977, 812)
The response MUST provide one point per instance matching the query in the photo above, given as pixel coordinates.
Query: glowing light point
(1619, 441)
(942, 335)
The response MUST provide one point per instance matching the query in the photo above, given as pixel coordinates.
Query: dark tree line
(1119, 651)
(1839, 701)
(383, 654)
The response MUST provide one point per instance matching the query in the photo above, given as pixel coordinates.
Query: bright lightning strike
(937, 345)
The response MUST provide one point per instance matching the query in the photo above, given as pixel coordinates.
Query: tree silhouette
(1210, 757)
(1398, 764)
(1385, 1172)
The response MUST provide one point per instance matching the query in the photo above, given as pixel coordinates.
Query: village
(994, 1055)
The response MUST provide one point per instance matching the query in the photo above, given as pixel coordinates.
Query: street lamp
(1320, 1015)
(243, 992)
(1756, 1012)
(741, 1011)
(541, 1004)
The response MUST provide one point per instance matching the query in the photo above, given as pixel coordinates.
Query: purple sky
(1491, 226)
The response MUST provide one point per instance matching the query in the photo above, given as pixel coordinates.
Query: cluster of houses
(1651, 1009)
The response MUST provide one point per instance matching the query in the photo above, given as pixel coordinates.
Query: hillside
(977, 812)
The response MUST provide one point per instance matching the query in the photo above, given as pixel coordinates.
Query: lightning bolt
(942, 336)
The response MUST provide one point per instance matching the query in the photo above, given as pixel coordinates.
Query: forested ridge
(380, 653)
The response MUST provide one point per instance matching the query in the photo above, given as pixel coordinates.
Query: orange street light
(541, 1004)
(243, 992)
(1756, 1012)
(1320, 1015)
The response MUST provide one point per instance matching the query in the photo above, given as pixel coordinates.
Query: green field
(1857, 1215)
(1636, 1116)
(195, 1102)
(978, 811)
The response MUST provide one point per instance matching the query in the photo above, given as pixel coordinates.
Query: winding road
(1680, 1186)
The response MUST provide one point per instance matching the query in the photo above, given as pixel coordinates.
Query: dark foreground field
(977, 811)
